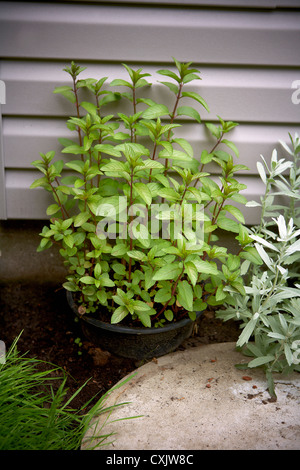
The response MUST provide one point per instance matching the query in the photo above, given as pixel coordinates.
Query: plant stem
(263, 205)
(215, 217)
(78, 113)
(64, 213)
(183, 195)
(172, 293)
(153, 158)
(134, 111)
(211, 151)
(274, 282)
(173, 116)
(131, 218)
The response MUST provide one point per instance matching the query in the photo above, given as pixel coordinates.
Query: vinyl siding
(248, 55)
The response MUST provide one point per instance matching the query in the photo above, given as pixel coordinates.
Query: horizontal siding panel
(250, 95)
(34, 202)
(41, 135)
(129, 33)
(23, 202)
(248, 57)
(212, 3)
(2, 176)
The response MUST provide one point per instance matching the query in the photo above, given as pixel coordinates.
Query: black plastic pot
(134, 343)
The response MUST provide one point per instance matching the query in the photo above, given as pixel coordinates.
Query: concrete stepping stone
(196, 399)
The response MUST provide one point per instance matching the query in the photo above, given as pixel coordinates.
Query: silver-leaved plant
(270, 311)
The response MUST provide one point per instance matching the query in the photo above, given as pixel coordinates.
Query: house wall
(248, 53)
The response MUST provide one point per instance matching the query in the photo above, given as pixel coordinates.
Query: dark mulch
(50, 333)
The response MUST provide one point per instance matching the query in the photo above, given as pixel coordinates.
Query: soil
(48, 331)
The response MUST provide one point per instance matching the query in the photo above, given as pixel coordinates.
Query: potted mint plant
(135, 211)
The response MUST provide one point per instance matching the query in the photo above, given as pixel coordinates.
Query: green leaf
(139, 255)
(119, 269)
(231, 145)
(270, 381)
(148, 165)
(191, 76)
(119, 250)
(87, 280)
(190, 112)
(205, 267)
(220, 294)
(149, 281)
(206, 157)
(199, 305)
(144, 192)
(97, 270)
(102, 296)
(140, 306)
(89, 290)
(172, 250)
(120, 82)
(76, 165)
(169, 193)
(235, 212)
(69, 240)
(70, 286)
(108, 187)
(169, 315)
(67, 92)
(176, 155)
(144, 318)
(170, 74)
(114, 166)
(187, 147)
(74, 149)
(247, 332)
(288, 354)
(259, 361)
(108, 149)
(171, 86)
(250, 253)
(156, 111)
(91, 108)
(81, 218)
(119, 314)
(40, 182)
(192, 272)
(185, 295)
(52, 209)
(106, 281)
(197, 97)
(162, 295)
(167, 272)
(228, 224)
(215, 131)
(238, 285)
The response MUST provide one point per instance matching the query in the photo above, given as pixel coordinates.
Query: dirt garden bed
(50, 333)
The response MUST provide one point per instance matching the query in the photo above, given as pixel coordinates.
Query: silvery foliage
(270, 311)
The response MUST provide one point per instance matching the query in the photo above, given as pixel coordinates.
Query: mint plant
(135, 212)
(270, 310)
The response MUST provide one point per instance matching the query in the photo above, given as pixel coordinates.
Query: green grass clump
(34, 416)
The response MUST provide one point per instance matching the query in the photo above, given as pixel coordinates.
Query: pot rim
(127, 329)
